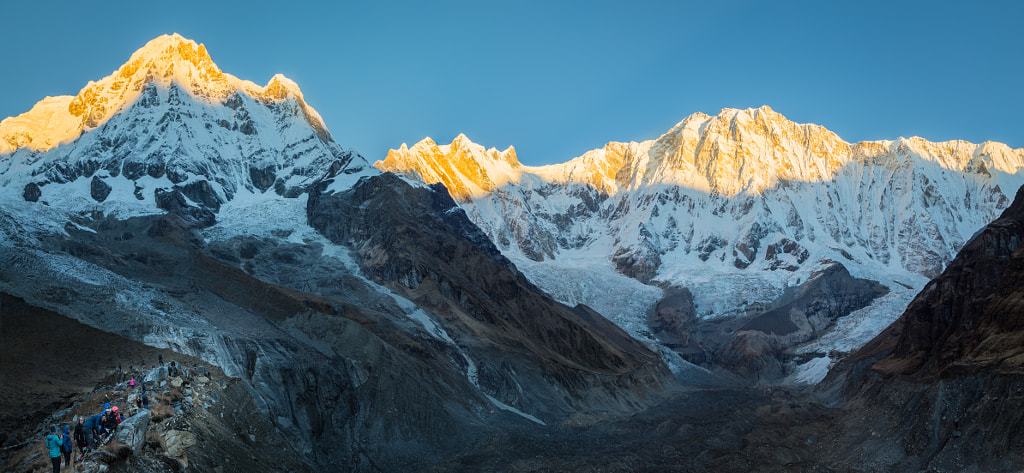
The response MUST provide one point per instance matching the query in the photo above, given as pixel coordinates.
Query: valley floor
(704, 429)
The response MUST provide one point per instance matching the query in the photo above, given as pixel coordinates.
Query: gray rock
(32, 192)
(178, 442)
(132, 432)
(156, 374)
(99, 189)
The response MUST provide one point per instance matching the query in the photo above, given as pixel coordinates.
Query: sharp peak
(167, 60)
(168, 39)
(461, 138)
(172, 46)
(729, 113)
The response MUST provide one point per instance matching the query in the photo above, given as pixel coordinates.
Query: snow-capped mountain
(372, 323)
(167, 118)
(735, 207)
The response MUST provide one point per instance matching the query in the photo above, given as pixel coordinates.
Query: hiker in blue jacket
(91, 426)
(66, 446)
(53, 445)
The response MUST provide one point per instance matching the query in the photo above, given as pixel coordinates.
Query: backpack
(67, 443)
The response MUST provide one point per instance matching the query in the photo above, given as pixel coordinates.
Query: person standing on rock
(80, 437)
(53, 445)
(160, 358)
(66, 446)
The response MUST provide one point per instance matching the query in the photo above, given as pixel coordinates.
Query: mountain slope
(941, 385)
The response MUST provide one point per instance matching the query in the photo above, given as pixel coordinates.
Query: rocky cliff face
(419, 243)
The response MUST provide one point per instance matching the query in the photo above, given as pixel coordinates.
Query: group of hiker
(89, 432)
(92, 431)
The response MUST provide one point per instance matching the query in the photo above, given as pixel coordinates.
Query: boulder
(132, 432)
(156, 374)
(176, 383)
(178, 442)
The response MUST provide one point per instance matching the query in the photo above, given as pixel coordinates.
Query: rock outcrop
(132, 432)
(758, 345)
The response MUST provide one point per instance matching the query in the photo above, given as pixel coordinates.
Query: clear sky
(555, 79)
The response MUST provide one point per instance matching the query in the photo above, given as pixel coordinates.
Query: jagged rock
(203, 193)
(672, 319)
(99, 189)
(173, 201)
(806, 310)
(32, 192)
(156, 374)
(753, 345)
(132, 432)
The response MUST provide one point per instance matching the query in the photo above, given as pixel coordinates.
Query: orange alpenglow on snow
(164, 60)
(734, 152)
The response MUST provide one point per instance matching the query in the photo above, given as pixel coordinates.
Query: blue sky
(555, 79)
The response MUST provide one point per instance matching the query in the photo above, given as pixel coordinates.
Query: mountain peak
(735, 151)
(165, 61)
(467, 169)
(175, 47)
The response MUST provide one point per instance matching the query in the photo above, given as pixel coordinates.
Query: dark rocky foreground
(712, 429)
(55, 368)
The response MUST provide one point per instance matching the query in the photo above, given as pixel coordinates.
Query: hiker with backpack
(66, 446)
(53, 447)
